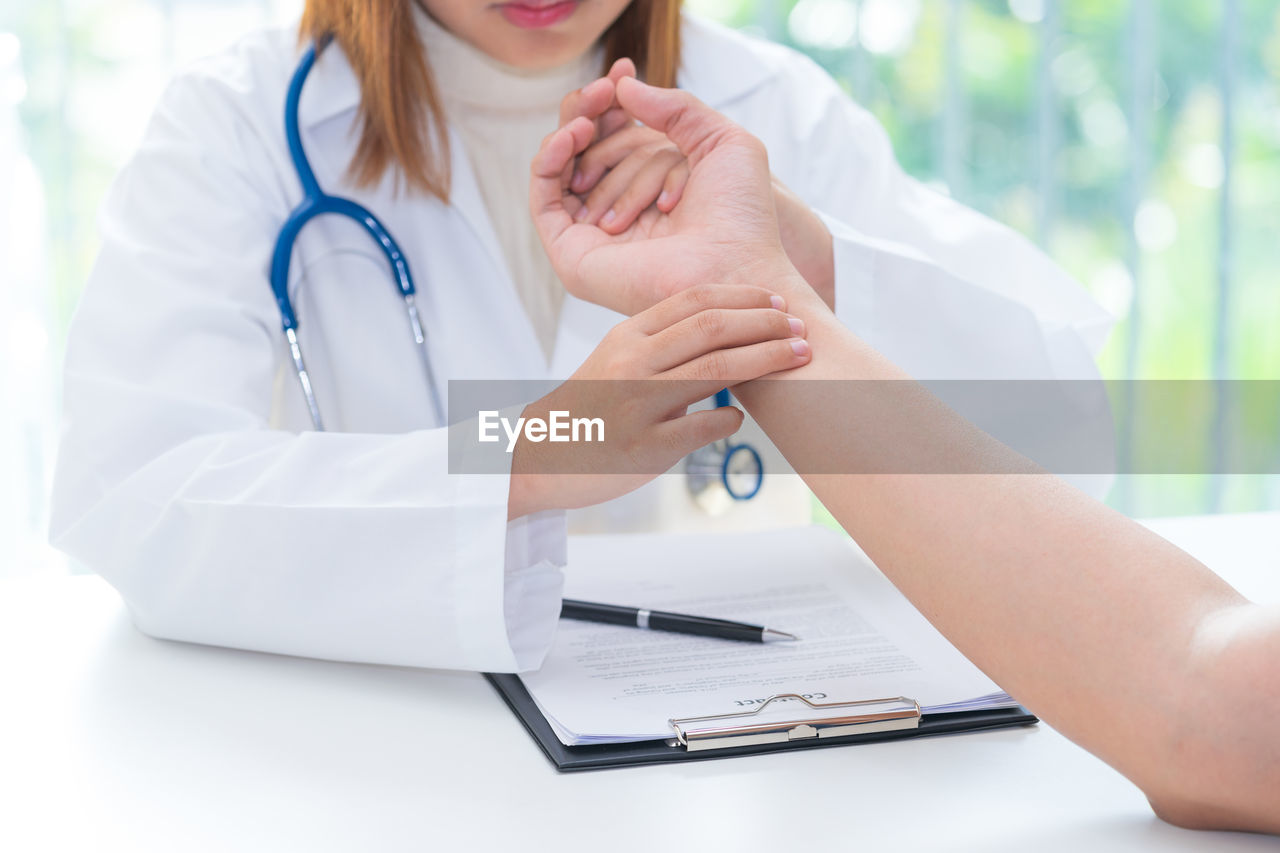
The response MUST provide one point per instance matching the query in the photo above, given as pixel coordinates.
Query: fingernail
(797, 326)
(800, 348)
(576, 180)
(663, 197)
(581, 214)
(608, 217)
(777, 302)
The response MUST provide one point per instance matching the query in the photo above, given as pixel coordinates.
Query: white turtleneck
(502, 114)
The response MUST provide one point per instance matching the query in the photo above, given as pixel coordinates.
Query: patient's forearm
(1120, 640)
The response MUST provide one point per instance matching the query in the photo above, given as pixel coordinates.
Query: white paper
(859, 638)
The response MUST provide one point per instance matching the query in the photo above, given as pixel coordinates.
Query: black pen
(661, 620)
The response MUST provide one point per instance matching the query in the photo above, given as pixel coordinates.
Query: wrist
(775, 272)
(527, 491)
(522, 495)
(807, 241)
(770, 269)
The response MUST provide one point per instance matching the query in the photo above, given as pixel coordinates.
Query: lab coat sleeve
(217, 528)
(941, 290)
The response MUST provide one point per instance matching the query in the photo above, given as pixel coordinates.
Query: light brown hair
(401, 121)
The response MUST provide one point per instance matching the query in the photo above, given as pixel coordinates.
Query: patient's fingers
(549, 177)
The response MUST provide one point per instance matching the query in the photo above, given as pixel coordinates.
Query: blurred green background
(1138, 141)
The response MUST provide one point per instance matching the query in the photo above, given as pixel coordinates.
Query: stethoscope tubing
(315, 203)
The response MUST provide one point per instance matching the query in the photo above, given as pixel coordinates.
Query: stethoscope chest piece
(722, 473)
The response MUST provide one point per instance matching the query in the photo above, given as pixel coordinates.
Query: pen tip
(772, 636)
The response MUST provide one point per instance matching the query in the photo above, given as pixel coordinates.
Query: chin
(541, 50)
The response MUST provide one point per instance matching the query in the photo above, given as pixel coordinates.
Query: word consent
(560, 426)
(812, 697)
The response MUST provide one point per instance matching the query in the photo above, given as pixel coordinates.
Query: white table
(111, 740)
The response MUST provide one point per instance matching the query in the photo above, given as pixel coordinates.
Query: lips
(537, 15)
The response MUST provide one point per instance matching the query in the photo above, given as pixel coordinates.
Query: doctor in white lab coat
(189, 475)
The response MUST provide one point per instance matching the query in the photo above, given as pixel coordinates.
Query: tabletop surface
(110, 740)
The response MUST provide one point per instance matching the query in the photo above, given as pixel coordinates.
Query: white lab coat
(189, 476)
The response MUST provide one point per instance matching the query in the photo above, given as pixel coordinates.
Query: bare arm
(1119, 640)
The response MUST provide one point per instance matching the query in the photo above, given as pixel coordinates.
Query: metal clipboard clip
(694, 734)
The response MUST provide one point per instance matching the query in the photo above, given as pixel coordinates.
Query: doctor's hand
(641, 380)
(630, 168)
(724, 229)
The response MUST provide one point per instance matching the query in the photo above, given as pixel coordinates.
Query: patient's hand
(725, 227)
(630, 168)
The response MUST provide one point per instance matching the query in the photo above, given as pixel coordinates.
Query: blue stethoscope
(316, 202)
(737, 469)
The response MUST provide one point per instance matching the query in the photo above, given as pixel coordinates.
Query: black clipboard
(567, 759)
